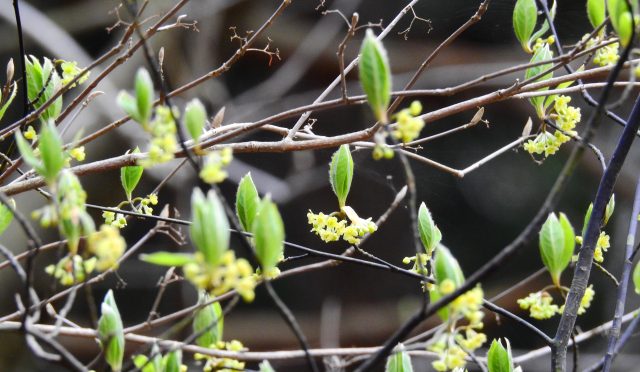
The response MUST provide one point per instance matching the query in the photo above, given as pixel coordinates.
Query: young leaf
(208, 323)
(341, 173)
(596, 12)
(525, 16)
(6, 216)
(144, 95)
(12, 95)
(587, 217)
(375, 75)
(209, 227)
(110, 332)
(611, 206)
(27, 153)
(42, 83)
(130, 176)
(195, 117)
(167, 258)
(498, 358)
(172, 361)
(50, 146)
(557, 241)
(128, 104)
(265, 366)
(399, 362)
(447, 267)
(636, 277)
(268, 235)
(430, 235)
(542, 54)
(247, 202)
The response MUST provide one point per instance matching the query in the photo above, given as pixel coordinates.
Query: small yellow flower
(108, 246)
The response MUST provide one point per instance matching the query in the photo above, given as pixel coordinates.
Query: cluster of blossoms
(540, 42)
(540, 304)
(409, 125)
(106, 246)
(382, 151)
(332, 227)
(77, 153)
(602, 245)
(606, 55)
(454, 347)
(163, 132)
(70, 70)
(566, 117)
(145, 206)
(72, 269)
(230, 273)
(419, 263)
(223, 364)
(215, 163)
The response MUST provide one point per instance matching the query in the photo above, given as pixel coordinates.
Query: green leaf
(27, 153)
(545, 25)
(128, 104)
(208, 323)
(636, 277)
(341, 173)
(399, 362)
(167, 258)
(375, 75)
(525, 16)
(210, 226)
(447, 267)
(430, 235)
(587, 217)
(42, 83)
(268, 235)
(542, 54)
(50, 146)
(6, 216)
(172, 361)
(247, 202)
(195, 117)
(611, 206)
(144, 95)
(498, 358)
(110, 332)
(12, 95)
(621, 18)
(557, 242)
(265, 366)
(596, 11)
(130, 176)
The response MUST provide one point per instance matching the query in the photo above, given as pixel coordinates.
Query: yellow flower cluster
(540, 305)
(602, 245)
(78, 153)
(213, 170)
(541, 42)
(566, 117)
(70, 70)
(419, 267)
(113, 219)
(409, 126)
(230, 273)
(453, 347)
(223, 364)
(146, 203)
(382, 151)
(71, 270)
(330, 228)
(163, 142)
(107, 245)
(607, 55)
(30, 134)
(451, 356)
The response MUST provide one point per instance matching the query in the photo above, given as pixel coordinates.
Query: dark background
(347, 305)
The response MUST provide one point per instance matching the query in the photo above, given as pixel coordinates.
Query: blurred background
(346, 305)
